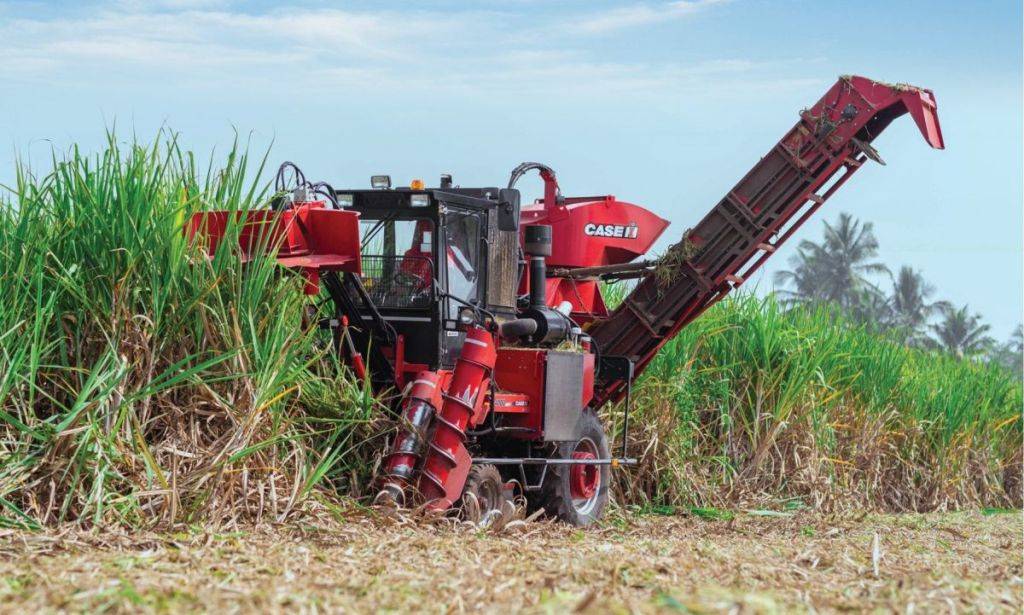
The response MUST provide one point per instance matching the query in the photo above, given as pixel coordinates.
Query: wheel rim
(584, 480)
(489, 496)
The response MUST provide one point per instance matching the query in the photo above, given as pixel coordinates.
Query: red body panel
(308, 237)
(583, 295)
(589, 231)
(521, 374)
(521, 370)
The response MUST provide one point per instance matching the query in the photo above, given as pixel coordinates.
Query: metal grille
(398, 281)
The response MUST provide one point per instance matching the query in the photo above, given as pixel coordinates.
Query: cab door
(462, 263)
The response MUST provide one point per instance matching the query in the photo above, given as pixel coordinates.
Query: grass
(144, 385)
(755, 402)
(139, 381)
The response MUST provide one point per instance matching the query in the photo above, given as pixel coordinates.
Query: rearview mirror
(508, 209)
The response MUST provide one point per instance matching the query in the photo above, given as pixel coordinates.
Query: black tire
(485, 483)
(556, 493)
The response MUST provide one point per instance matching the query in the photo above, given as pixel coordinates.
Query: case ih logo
(625, 231)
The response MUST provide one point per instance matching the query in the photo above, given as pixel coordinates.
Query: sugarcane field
(511, 307)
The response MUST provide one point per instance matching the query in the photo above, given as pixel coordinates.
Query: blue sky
(665, 104)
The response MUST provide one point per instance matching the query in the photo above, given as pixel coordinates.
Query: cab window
(398, 261)
(462, 258)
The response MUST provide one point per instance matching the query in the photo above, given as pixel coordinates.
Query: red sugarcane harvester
(488, 316)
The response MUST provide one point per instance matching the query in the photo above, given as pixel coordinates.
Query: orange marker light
(416, 184)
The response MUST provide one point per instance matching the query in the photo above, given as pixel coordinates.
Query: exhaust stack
(537, 243)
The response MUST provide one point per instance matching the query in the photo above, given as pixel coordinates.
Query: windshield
(398, 261)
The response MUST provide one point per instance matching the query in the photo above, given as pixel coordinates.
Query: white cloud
(187, 44)
(172, 5)
(215, 37)
(639, 15)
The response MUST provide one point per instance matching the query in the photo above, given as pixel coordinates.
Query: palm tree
(1011, 354)
(806, 277)
(1016, 349)
(961, 333)
(837, 269)
(909, 308)
(870, 307)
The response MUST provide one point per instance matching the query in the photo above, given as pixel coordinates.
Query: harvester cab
(487, 316)
(433, 259)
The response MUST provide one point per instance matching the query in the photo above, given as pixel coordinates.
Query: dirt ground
(751, 564)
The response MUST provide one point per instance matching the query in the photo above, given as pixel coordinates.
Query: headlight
(380, 182)
(344, 200)
(419, 200)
